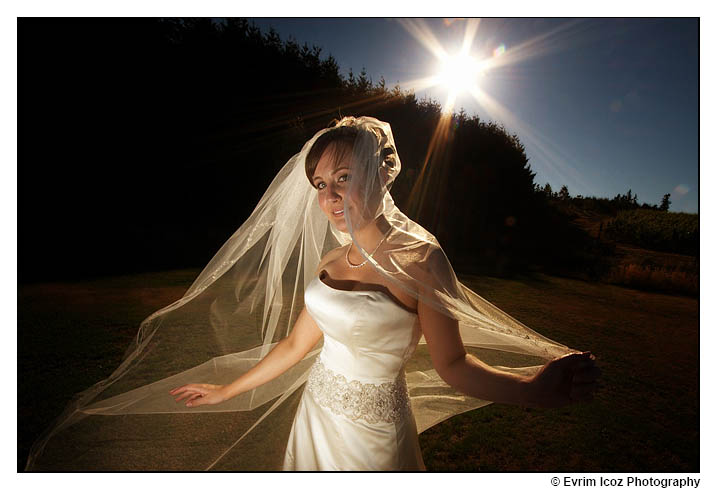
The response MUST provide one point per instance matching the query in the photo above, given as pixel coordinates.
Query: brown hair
(343, 137)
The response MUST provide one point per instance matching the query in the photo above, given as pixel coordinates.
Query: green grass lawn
(644, 417)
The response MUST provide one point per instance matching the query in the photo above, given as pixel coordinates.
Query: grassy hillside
(657, 230)
(648, 248)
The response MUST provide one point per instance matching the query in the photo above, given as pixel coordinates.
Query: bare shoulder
(331, 256)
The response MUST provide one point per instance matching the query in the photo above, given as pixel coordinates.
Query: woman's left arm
(567, 379)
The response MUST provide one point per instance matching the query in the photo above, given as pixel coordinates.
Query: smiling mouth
(339, 213)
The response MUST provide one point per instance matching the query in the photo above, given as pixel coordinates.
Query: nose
(332, 193)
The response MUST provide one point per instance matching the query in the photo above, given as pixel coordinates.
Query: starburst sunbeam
(459, 71)
(423, 34)
(472, 25)
(422, 83)
(460, 74)
(550, 42)
(553, 157)
(436, 153)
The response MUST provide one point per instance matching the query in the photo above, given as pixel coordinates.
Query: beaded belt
(387, 402)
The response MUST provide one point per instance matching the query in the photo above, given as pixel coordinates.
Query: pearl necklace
(370, 255)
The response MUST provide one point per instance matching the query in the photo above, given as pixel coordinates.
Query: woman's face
(331, 178)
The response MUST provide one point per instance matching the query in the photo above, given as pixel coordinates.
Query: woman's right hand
(199, 394)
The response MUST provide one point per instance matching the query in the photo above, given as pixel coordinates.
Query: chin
(341, 226)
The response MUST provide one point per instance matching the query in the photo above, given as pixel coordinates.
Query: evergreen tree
(364, 82)
(665, 202)
(548, 191)
(563, 193)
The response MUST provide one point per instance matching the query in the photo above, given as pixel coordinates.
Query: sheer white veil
(247, 299)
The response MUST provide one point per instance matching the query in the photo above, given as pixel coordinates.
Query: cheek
(355, 196)
(324, 203)
(362, 204)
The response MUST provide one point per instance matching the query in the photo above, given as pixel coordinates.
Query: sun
(462, 73)
(459, 73)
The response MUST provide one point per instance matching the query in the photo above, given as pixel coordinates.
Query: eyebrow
(333, 172)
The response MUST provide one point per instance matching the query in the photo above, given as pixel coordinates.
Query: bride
(368, 303)
(327, 287)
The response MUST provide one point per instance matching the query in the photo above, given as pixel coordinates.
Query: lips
(338, 213)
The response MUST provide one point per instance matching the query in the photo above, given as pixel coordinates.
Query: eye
(321, 185)
(344, 178)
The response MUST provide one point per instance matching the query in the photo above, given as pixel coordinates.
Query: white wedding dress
(355, 412)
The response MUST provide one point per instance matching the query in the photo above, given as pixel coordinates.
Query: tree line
(144, 143)
(620, 202)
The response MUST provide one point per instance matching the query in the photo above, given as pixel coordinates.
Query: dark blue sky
(602, 105)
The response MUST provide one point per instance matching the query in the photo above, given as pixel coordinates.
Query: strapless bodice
(367, 336)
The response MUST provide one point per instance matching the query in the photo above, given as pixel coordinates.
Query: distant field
(652, 229)
(652, 250)
(644, 418)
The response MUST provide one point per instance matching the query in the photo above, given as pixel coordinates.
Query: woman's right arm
(287, 353)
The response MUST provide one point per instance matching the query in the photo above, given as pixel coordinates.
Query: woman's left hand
(565, 380)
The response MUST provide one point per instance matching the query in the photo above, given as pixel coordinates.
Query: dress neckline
(389, 298)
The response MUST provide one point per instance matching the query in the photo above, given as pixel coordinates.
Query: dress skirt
(321, 440)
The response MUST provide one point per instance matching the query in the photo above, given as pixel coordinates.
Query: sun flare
(462, 73)
(459, 73)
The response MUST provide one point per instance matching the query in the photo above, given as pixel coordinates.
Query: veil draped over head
(246, 300)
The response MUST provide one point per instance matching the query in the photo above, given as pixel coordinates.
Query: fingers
(188, 392)
(182, 388)
(194, 387)
(197, 394)
(584, 357)
(572, 360)
(579, 363)
(195, 400)
(185, 396)
(190, 395)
